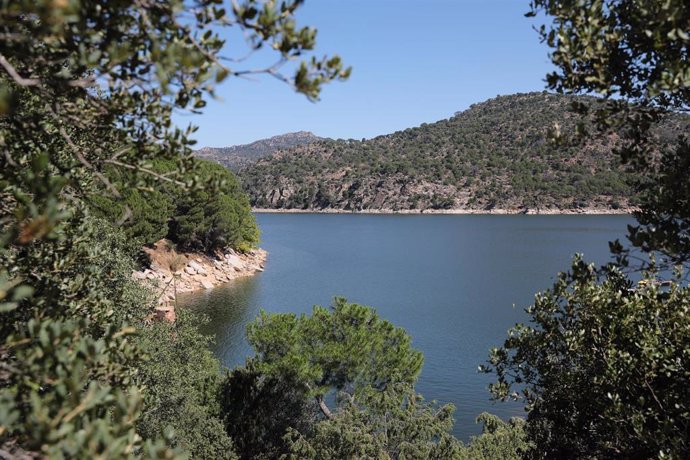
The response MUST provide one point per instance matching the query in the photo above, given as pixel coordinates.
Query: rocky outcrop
(171, 273)
(238, 157)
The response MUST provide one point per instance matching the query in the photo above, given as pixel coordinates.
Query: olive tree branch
(12, 72)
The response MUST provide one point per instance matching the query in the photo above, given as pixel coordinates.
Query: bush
(213, 215)
(604, 367)
(182, 381)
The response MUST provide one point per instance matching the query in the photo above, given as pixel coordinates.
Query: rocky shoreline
(171, 273)
(495, 211)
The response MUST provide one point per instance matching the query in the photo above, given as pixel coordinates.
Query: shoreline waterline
(529, 212)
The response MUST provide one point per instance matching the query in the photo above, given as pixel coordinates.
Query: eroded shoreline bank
(171, 272)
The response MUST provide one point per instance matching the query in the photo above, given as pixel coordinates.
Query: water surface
(455, 282)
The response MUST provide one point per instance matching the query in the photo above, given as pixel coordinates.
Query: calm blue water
(456, 283)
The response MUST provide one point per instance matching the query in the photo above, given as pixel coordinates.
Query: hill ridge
(236, 157)
(493, 155)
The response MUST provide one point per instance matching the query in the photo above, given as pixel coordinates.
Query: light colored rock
(206, 284)
(139, 275)
(190, 270)
(195, 265)
(234, 261)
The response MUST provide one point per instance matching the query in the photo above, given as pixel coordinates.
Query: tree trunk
(324, 408)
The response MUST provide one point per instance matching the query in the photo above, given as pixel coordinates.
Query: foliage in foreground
(605, 363)
(181, 380)
(394, 423)
(603, 367)
(499, 440)
(86, 87)
(339, 383)
(635, 54)
(69, 355)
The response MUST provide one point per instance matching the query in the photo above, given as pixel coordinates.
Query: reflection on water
(455, 283)
(229, 308)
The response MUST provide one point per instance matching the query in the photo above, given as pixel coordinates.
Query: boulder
(206, 284)
(190, 270)
(195, 265)
(234, 261)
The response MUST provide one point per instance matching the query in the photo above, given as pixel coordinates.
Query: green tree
(146, 214)
(394, 423)
(499, 440)
(338, 383)
(603, 367)
(215, 216)
(182, 382)
(347, 349)
(259, 410)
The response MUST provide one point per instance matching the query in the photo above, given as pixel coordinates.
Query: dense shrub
(182, 388)
(203, 209)
(603, 367)
(215, 216)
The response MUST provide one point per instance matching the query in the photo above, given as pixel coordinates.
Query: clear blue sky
(414, 61)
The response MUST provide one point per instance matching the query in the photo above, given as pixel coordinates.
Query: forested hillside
(240, 156)
(495, 155)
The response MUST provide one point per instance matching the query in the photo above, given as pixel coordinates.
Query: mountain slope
(240, 156)
(495, 155)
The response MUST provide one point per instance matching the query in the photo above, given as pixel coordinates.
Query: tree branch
(146, 170)
(12, 72)
(324, 408)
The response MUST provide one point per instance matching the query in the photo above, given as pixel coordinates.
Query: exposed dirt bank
(171, 273)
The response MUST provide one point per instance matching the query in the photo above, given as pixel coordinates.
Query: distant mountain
(240, 156)
(494, 155)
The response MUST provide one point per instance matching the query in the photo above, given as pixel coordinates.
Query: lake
(455, 282)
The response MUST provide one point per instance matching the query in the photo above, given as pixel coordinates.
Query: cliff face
(495, 155)
(241, 156)
(393, 192)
